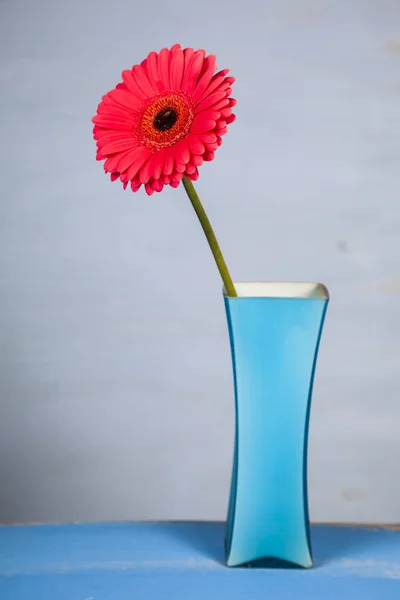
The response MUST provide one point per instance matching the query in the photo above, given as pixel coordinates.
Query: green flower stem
(212, 240)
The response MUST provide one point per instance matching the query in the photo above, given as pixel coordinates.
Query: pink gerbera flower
(164, 120)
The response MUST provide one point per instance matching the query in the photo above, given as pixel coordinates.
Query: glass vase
(274, 330)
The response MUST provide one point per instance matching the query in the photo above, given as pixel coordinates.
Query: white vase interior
(281, 289)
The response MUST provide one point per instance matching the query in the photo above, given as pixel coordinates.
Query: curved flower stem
(212, 240)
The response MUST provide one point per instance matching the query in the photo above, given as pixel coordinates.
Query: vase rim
(280, 289)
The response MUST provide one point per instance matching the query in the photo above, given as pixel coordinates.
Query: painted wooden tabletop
(184, 561)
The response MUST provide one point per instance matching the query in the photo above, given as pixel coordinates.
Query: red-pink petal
(138, 163)
(226, 112)
(176, 176)
(141, 79)
(112, 163)
(193, 66)
(195, 144)
(208, 138)
(209, 67)
(176, 69)
(208, 156)
(163, 66)
(174, 183)
(138, 153)
(169, 161)
(132, 86)
(210, 100)
(230, 119)
(152, 70)
(202, 123)
(197, 159)
(190, 168)
(158, 185)
(110, 123)
(214, 83)
(146, 172)
(135, 186)
(220, 125)
(119, 145)
(182, 152)
(212, 147)
(180, 167)
(193, 176)
(149, 188)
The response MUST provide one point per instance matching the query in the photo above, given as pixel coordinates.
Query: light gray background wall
(115, 375)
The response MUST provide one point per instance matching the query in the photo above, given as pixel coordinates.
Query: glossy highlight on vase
(274, 330)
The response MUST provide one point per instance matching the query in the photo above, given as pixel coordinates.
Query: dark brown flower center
(165, 119)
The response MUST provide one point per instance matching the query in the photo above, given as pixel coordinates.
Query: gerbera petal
(176, 69)
(174, 183)
(158, 185)
(153, 167)
(193, 176)
(221, 131)
(192, 71)
(166, 179)
(214, 83)
(163, 66)
(112, 163)
(210, 100)
(137, 163)
(138, 153)
(135, 185)
(149, 188)
(158, 163)
(226, 112)
(188, 55)
(230, 119)
(140, 77)
(195, 144)
(208, 156)
(197, 160)
(190, 168)
(202, 124)
(169, 161)
(182, 152)
(224, 103)
(176, 176)
(110, 122)
(119, 145)
(209, 68)
(152, 71)
(132, 86)
(212, 147)
(208, 138)
(180, 167)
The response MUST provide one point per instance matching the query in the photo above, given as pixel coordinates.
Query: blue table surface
(185, 561)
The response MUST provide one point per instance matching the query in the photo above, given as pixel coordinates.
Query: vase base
(268, 563)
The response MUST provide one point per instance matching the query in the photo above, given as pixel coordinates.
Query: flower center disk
(165, 119)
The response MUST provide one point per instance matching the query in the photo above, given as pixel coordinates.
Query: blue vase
(274, 330)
